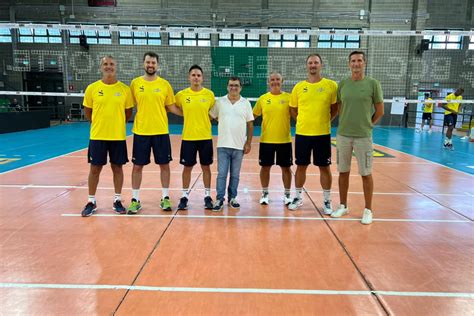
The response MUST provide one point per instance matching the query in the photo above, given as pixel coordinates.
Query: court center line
(229, 290)
(414, 220)
(243, 190)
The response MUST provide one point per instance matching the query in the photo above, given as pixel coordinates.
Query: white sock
(185, 192)
(207, 192)
(287, 192)
(165, 192)
(298, 192)
(117, 197)
(327, 195)
(91, 198)
(265, 190)
(136, 194)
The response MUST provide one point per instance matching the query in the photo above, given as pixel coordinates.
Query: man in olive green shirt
(360, 101)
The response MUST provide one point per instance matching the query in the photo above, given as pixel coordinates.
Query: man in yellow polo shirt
(275, 139)
(107, 105)
(153, 96)
(451, 115)
(195, 102)
(313, 106)
(427, 112)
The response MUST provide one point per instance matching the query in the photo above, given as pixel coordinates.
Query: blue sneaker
(89, 209)
(118, 207)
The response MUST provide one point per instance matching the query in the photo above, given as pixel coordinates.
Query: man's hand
(247, 147)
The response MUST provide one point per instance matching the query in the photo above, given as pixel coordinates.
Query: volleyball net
(408, 64)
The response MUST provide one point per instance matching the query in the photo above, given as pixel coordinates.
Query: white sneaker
(418, 130)
(342, 210)
(327, 207)
(296, 203)
(287, 200)
(264, 199)
(366, 217)
(430, 131)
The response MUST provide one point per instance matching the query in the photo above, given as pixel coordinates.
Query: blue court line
(38, 145)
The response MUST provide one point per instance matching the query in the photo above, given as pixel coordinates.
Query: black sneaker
(183, 204)
(233, 203)
(118, 207)
(89, 209)
(218, 206)
(208, 205)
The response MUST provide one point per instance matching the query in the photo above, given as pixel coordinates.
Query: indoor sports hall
(417, 256)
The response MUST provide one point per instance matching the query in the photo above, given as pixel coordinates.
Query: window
(40, 35)
(338, 41)
(5, 35)
(444, 41)
(288, 40)
(471, 42)
(93, 36)
(189, 39)
(139, 38)
(239, 40)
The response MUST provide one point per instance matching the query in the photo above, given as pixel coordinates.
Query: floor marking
(472, 167)
(217, 216)
(34, 186)
(39, 162)
(424, 159)
(229, 290)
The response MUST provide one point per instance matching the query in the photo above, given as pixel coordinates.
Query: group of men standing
(313, 104)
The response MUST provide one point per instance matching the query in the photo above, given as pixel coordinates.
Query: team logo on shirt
(117, 94)
(305, 89)
(157, 90)
(269, 101)
(282, 101)
(101, 93)
(203, 100)
(320, 90)
(188, 100)
(142, 89)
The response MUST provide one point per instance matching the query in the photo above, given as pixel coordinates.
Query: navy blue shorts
(450, 119)
(143, 144)
(319, 145)
(190, 148)
(283, 152)
(426, 116)
(98, 149)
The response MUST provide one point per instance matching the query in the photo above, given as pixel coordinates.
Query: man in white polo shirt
(235, 130)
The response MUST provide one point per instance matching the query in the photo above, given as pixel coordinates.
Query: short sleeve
(88, 100)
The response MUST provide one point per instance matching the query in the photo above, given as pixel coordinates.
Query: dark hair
(357, 52)
(152, 55)
(313, 55)
(195, 67)
(235, 78)
(427, 95)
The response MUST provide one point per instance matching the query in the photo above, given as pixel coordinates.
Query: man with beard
(107, 105)
(313, 106)
(153, 97)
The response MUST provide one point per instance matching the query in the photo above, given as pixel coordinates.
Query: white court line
(228, 290)
(278, 218)
(243, 190)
